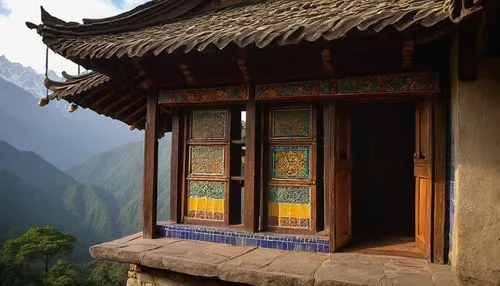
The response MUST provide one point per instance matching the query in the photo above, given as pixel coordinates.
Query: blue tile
(251, 242)
(280, 245)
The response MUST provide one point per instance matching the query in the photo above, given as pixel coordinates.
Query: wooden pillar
(176, 167)
(149, 190)
(328, 169)
(252, 169)
(440, 143)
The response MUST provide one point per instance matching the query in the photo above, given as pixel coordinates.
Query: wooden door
(423, 162)
(342, 170)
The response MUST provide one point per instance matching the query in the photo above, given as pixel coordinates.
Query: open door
(342, 170)
(423, 176)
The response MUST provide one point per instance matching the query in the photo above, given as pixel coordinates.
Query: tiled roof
(166, 26)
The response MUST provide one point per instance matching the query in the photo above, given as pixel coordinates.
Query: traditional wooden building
(317, 126)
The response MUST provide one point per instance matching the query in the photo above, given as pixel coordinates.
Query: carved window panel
(212, 166)
(290, 162)
(289, 206)
(206, 200)
(208, 124)
(290, 189)
(207, 160)
(291, 122)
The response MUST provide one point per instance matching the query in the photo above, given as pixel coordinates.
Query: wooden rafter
(115, 104)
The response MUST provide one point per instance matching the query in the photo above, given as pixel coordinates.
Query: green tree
(63, 273)
(43, 243)
(107, 273)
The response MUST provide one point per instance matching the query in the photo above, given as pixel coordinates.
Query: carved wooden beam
(407, 54)
(326, 59)
(244, 70)
(187, 74)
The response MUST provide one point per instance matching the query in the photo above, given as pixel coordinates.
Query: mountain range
(81, 172)
(62, 138)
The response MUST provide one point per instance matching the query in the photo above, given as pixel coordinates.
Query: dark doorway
(383, 186)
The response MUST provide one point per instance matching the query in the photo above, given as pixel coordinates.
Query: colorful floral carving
(290, 122)
(208, 95)
(294, 89)
(206, 200)
(290, 206)
(397, 83)
(208, 124)
(207, 160)
(290, 162)
(426, 82)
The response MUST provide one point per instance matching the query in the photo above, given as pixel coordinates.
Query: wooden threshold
(404, 246)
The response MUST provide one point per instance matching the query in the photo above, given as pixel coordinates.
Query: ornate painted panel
(208, 124)
(294, 89)
(290, 162)
(384, 84)
(206, 200)
(290, 206)
(291, 122)
(207, 95)
(424, 82)
(206, 160)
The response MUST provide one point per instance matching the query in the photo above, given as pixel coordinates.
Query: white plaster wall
(475, 106)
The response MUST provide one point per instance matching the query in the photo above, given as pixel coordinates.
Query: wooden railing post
(149, 192)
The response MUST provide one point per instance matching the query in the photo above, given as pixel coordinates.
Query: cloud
(3, 10)
(19, 44)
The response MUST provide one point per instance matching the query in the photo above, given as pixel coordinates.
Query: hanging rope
(45, 100)
(46, 68)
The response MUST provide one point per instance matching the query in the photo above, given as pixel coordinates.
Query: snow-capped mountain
(25, 77)
(62, 138)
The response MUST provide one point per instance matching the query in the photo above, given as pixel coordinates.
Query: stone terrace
(260, 266)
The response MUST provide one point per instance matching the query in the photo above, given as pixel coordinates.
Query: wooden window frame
(312, 181)
(230, 144)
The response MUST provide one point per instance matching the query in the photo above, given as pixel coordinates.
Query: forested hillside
(119, 172)
(34, 192)
(62, 138)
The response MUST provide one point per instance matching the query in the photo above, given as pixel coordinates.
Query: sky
(22, 45)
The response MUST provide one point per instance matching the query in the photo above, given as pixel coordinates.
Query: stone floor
(261, 266)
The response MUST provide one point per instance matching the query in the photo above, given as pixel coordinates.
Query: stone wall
(143, 276)
(475, 106)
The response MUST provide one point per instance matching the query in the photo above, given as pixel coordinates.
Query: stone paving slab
(261, 266)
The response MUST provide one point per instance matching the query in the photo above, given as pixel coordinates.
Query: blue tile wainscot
(281, 242)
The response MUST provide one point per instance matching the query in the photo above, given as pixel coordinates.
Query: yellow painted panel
(210, 205)
(204, 204)
(285, 210)
(219, 206)
(289, 210)
(273, 209)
